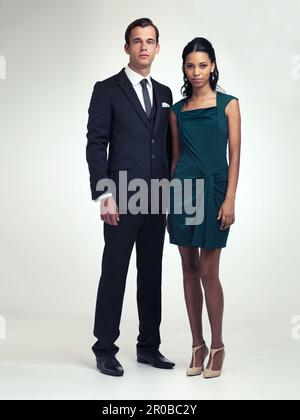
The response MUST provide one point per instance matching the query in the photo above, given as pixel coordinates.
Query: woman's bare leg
(209, 273)
(190, 261)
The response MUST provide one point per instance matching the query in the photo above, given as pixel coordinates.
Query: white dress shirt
(135, 79)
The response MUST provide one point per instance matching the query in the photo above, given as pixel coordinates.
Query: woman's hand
(226, 213)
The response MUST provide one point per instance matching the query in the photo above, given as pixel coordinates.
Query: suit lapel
(158, 104)
(127, 88)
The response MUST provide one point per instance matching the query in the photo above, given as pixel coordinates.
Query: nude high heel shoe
(209, 372)
(197, 370)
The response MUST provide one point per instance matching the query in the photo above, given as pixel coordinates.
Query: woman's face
(197, 68)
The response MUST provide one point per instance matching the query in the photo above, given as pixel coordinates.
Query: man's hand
(109, 211)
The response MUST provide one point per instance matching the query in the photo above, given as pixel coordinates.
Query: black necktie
(146, 96)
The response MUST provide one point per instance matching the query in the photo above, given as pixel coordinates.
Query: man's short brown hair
(142, 22)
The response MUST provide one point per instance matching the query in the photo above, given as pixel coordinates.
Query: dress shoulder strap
(225, 98)
(176, 108)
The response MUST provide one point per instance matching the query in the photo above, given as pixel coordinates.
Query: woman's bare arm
(175, 141)
(234, 127)
(227, 211)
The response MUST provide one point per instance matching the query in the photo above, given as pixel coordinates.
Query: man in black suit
(130, 112)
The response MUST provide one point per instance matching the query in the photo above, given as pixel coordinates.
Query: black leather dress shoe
(155, 359)
(109, 365)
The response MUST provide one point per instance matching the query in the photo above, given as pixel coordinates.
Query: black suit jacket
(117, 119)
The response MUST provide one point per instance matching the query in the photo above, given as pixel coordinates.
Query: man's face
(142, 47)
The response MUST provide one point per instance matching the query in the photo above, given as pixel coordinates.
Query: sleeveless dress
(203, 135)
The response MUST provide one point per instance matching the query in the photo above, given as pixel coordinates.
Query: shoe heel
(209, 372)
(196, 370)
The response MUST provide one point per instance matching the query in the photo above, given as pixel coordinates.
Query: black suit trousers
(147, 232)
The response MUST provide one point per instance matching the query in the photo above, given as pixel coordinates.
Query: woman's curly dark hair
(203, 45)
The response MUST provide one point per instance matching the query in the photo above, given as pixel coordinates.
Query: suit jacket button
(153, 141)
(153, 157)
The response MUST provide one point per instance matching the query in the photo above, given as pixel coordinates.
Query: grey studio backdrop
(51, 54)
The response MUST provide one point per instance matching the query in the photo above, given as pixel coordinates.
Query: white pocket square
(165, 105)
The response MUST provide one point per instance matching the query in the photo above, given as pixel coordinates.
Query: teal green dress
(203, 137)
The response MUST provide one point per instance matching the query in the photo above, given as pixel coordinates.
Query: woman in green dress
(202, 125)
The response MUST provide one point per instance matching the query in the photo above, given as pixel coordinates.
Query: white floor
(42, 360)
